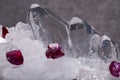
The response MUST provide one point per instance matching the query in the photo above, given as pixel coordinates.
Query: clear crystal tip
(34, 5)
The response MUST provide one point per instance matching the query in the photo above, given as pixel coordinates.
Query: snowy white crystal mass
(87, 54)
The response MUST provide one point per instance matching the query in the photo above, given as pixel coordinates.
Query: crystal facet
(49, 27)
(80, 34)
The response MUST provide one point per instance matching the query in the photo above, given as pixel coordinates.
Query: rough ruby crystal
(4, 31)
(114, 68)
(15, 57)
(54, 51)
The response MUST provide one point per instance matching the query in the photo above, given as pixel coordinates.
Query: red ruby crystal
(114, 68)
(54, 51)
(4, 31)
(15, 57)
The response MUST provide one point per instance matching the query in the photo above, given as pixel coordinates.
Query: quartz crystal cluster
(49, 47)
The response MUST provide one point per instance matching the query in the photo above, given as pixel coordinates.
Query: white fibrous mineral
(36, 65)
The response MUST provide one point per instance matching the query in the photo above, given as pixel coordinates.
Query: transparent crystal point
(47, 26)
(81, 33)
(104, 47)
(77, 37)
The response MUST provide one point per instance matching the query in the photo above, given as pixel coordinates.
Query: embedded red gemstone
(15, 57)
(4, 31)
(114, 68)
(54, 51)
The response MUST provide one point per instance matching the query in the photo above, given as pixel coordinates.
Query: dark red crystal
(54, 51)
(15, 57)
(4, 31)
(114, 68)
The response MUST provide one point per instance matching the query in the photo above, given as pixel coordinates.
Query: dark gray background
(102, 14)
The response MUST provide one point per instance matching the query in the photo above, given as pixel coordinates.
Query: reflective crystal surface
(76, 36)
(47, 26)
(80, 34)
